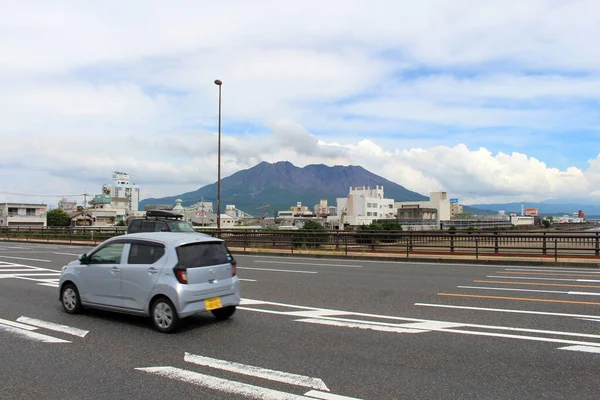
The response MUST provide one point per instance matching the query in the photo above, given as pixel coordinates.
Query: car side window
(109, 254)
(148, 226)
(145, 253)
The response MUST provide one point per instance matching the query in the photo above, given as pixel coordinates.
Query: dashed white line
(53, 326)
(531, 290)
(594, 317)
(315, 264)
(32, 335)
(279, 270)
(222, 385)
(542, 279)
(26, 259)
(585, 349)
(264, 373)
(328, 396)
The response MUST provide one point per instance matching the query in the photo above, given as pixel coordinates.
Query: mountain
(282, 185)
(548, 207)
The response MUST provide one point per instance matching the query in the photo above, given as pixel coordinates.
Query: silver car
(165, 275)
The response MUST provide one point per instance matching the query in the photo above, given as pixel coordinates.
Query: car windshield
(180, 226)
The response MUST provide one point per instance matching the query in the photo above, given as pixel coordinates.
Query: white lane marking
(264, 373)
(315, 264)
(53, 326)
(552, 270)
(316, 313)
(542, 279)
(531, 290)
(18, 270)
(585, 349)
(250, 302)
(32, 335)
(17, 325)
(328, 396)
(359, 325)
(36, 274)
(9, 265)
(247, 280)
(445, 327)
(279, 270)
(67, 254)
(593, 317)
(54, 285)
(222, 385)
(27, 259)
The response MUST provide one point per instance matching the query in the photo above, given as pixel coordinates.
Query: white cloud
(403, 88)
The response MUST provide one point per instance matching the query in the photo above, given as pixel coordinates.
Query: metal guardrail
(346, 243)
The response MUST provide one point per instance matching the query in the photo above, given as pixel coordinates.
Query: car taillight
(233, 268)
(181, 275)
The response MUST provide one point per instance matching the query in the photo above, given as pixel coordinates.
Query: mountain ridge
(282, 185)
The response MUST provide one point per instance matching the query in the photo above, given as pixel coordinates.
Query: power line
(46, 195)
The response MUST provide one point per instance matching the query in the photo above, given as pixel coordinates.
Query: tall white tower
(121, 187)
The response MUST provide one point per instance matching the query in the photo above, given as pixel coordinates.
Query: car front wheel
(69, 297)
(164, 315)
(223, 313)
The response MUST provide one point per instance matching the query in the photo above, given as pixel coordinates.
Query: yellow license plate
(212, 304)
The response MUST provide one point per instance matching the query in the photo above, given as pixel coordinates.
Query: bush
(57, 218)
(312, 235)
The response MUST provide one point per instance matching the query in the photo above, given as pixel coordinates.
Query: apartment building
(23, 214)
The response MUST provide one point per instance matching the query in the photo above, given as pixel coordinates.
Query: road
(312, 328)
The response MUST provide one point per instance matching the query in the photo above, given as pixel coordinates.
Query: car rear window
(180, 226)
(203, 254)
(136, 226)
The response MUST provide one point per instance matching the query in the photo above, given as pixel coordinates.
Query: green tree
(546, 223)
(57, 218)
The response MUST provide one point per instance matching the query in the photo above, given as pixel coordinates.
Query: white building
(519, 220)
(121, 187)
(23, 214)
(364, 205)
(437, 200)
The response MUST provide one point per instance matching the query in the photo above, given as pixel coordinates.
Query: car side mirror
(84, 259)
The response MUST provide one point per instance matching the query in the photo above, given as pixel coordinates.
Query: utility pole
(266, 213)
(85, 195)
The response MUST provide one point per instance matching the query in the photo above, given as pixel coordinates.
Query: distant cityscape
(120, 198)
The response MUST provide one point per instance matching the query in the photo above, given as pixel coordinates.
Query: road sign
(453, 201)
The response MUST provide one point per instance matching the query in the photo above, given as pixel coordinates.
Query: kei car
(164, 275)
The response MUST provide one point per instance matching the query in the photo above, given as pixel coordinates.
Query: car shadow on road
(198, 321)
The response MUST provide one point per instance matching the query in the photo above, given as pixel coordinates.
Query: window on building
(30, 211)
(13, 210)
(374, 214)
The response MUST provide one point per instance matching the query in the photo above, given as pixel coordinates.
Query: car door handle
(114, 270)
(152, 270)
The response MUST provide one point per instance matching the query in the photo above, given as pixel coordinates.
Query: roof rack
(163, 214)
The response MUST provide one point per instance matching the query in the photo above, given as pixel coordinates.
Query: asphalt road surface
(312, 329)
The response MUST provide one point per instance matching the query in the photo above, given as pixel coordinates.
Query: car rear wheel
(223, 313)
(164, 315)
(69, 297)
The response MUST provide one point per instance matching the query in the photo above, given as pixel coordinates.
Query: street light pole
(219, 84)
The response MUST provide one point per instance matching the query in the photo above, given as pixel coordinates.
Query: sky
(491, 101)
